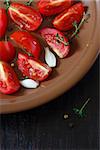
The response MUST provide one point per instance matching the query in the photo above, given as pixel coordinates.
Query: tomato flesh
(65, 20)
(25, 17)
(49, 34)
(9, 82)
(7, 51)
(32, 68)
(27, 41)
(52, 7)
(3, 22)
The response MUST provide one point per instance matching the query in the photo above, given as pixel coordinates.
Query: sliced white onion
(50, 58)
(29, 83)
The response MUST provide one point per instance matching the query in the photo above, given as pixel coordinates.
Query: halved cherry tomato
(32, 68)
(7, 51)
(52, 7)
(3, 22)
(65, 20)
(9, 82)
(57, 44)
(25, 17)
(27, 41)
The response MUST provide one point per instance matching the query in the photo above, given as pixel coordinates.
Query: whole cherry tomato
(65, 20)
(9, 82)
(52, 7)
(27, 41)
(56, 40)
(24, 16)
(32, 68)
(3, 22)
(7, 51)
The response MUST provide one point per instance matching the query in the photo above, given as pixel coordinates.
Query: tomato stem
(7, 2)
(84, 105)
(29, 2)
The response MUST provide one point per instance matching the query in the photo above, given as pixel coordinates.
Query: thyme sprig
(29, 2)
(75, 33)
(80, 112)
(77, 27)
(61, 40)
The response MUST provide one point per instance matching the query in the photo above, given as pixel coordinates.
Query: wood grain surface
(44, 128)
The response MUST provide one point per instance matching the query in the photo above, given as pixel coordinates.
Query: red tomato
(52, 7)
(27, 41)
(25, 17)
(50, 35)
(32, 68)
(3, 22)
(65, 20)
(9, 82)
(7, 51)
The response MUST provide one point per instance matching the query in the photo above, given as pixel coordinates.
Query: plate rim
(17, 106)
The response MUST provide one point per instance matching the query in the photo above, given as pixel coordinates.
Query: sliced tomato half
(32, 68)
(24, 16)
(65, 20)
(3, 22)
(7, 51)
(52, 7)
(9, 82)
(27, 41)
(56, 40)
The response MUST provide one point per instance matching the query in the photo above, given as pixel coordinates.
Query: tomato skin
(52, 7)
(27, 41)
(65, 20)
(49, 34)
(24, 16)
(32, 68)
(7, 51)
(3, 22)
(9, 82)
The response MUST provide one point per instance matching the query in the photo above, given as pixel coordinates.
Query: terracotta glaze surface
(68, 71)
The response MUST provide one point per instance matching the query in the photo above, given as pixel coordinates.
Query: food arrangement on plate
(35, 62)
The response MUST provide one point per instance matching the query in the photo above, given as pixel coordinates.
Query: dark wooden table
(44, 128)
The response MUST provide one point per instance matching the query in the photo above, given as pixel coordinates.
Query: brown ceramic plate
(68, 72)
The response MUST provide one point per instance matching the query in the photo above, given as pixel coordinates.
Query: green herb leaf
(61, 40)
(29, 2)
(77, 36)
(7, 2)
(26, 77)
(29, 54)
(76, 110)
